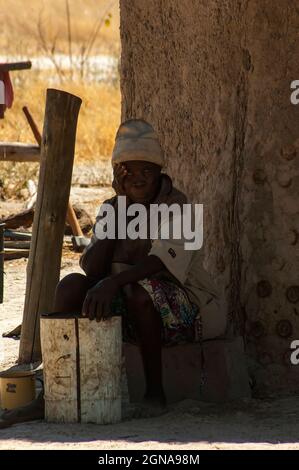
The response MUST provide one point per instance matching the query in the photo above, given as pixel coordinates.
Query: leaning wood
(57, 156)
(10, 254)
(19, 152)
(22, 219)
(82, 369)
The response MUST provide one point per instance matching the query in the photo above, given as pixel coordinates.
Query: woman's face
(142, 182)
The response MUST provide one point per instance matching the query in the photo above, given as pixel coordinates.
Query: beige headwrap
(137, 140)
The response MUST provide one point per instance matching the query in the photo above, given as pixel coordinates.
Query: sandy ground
(255, 424)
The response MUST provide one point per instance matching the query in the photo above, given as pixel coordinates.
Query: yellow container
(17, 388)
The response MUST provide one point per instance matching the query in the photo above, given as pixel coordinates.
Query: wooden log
(19, 152)
(10, 254)
(12, 235)
(15, 66)
(19, 245)
(82, 369)
(22, 219)
(57, 156)
(25, 219)
(70, 215)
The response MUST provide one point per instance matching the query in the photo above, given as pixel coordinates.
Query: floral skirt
(180, 319)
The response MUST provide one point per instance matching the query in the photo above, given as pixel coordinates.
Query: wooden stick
(18, 152)
(15, 66)
(57, 156)
(33, 126)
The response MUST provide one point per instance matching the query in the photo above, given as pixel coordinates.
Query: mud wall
(213, 77)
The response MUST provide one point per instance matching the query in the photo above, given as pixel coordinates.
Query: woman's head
(138, 150)
(142, 181)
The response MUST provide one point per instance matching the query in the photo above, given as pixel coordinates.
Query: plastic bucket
(17, 388)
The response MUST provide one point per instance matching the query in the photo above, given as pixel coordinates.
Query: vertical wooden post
(57, 156)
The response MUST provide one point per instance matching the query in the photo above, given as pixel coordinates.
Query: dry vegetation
(100, 111)
(19, 20)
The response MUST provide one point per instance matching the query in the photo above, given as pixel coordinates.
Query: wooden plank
(13, 235)
(20, 245)
(15, 66)
(56, 164)
(60, 370)
(22, 219)
(10, 254)
(19, 152)
(100, 370)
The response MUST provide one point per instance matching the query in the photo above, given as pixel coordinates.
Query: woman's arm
(148, 266)
(96, 260)
(98, 299)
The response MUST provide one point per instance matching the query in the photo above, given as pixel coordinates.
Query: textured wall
(213, 77)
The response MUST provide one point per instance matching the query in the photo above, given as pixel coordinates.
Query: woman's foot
(151, 406)
(155, 399)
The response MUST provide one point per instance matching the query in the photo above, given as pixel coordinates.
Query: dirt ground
(255, 424)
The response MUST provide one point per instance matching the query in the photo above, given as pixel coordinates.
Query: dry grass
(100, 111)
(19, 19)
(98, 121)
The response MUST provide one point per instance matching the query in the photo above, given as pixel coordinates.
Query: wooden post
(70, 215)
(57, 156)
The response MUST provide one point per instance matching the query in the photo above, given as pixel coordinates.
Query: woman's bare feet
(151, 406)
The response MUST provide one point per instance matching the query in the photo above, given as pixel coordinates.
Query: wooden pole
(70, 215)
(57, 156)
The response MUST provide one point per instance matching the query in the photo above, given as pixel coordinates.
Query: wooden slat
(60, 373)
(100, 370)
(15, 66)
(19, 152)
(10, 254)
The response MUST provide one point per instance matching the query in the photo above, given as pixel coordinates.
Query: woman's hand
(97, 303)
(119, 173)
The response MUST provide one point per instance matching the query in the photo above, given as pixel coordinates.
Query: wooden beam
(56, 165)
(9, 67)
(19, 152)
(10, 254)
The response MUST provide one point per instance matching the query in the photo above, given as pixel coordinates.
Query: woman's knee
(72, 288)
